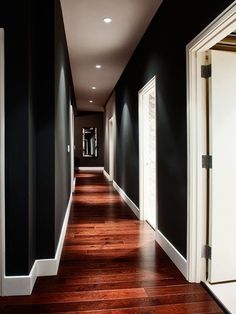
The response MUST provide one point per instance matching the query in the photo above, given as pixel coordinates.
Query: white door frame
(2, 163)
(111, 148)
(223, 25)
(150, 84)
(72, 146)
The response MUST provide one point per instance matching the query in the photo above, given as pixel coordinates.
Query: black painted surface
(32, 151)
(43, 23)
(18, 155)
(95, 120)
(32, 127)
(162, 53)
(63, 94)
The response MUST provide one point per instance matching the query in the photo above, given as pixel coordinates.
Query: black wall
(36, 130)
(63, 99)
(19, 137)
(89, 119)
(162, 52)
(44, 98)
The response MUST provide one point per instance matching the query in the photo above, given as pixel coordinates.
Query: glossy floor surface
(111, 264)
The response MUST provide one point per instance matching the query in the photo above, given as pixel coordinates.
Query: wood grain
(111, 264)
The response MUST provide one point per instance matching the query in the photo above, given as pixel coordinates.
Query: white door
(72, 145)
(2, 162)
(147, 152)
(111, 149)
(222, 145)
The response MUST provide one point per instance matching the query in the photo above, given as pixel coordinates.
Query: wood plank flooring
(111, 264)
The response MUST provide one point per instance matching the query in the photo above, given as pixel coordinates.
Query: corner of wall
(23, 285)
(172, 252)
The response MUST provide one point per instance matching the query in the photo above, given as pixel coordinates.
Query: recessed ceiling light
(91, 101)
(107, 20)
(94, 87)
(98, 66)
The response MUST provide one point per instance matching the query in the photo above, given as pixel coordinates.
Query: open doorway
(2, 163)
(211, 108)
(72, 148)
(147, 153)
(111, 148)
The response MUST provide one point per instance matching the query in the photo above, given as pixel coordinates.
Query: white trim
(171, 251)
(106, 175)
(2, 161)
(74, 184)
(150, 84)
(91, 168)
(127, 200)
(111, 141)
(23, 285)
(72, 146)
(223, 25)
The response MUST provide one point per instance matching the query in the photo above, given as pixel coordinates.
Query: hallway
(110, 264)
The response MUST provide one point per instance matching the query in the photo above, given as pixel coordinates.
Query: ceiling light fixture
(94, 87)
(107, 20)
(91, 101)
(98, 66)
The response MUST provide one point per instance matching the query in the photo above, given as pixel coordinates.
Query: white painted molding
(107, 175)
(142, 125)
(23, 285)
(174, 255)
(2, 161)
(91, 168)
(222, 26)
(127, 200)
(74, 184)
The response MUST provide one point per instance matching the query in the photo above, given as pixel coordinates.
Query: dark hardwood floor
(111, 264)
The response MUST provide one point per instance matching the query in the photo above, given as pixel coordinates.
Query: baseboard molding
(173, 254)
(91, 168)
(23, 285)
(107, 175)
(128, 201)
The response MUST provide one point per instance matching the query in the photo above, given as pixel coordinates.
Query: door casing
(149, 84)
(222, 26)
(111, 148)
(72, 147)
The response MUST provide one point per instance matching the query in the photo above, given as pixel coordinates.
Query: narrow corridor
(111, 264)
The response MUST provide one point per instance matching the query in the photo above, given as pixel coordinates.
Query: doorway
(2, 164)
(111, 148)
(210, 140)
(72, 148)
(147, 153)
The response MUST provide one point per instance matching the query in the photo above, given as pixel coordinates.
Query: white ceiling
(91, 41)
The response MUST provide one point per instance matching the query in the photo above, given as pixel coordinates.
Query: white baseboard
(174, 255)
(74, 184)
(107, 175)
(23, 285)
(91, 168)
(128, 201)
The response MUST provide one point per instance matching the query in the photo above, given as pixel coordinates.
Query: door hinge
(207, 251)
(206, 71)
(207, 161)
